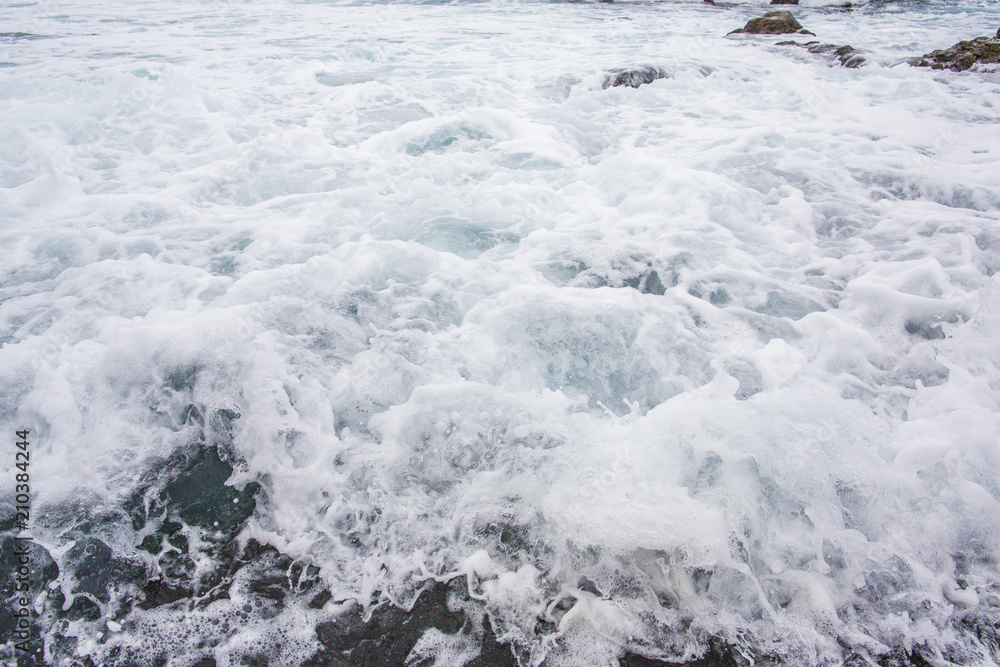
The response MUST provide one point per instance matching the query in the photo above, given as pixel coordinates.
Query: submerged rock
(962, 56)
(634, 77)
(389, 635)
(647, 283)
(773, 23)
(847, 55)
(97, 570)
(200, 497)
(19, 36)
(191, 516)
(23, 563)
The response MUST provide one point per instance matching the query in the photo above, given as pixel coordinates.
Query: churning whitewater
(391, 333)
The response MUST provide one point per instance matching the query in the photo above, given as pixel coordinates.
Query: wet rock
(201, 498)
(158, 593)
(719, 654)
(588, 586)
(19, 36)
(848, 56)
(634, 77)
(391, 633)
(12, 552)
(189, 490)
(962, 56)
(773, 23)
(22, 563)
(189, 519)
(708, 473)
(784, 2)
(491, 652)
(901, 657)
(80, 609)
(97, 570)
(984, 624)
(320, 599)
(886, 587)
(927, 329)
(647, 283)
(270, 586)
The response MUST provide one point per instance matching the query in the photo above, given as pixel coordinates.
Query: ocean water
(705, 367)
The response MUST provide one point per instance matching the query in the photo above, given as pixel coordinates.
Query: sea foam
(705, 365)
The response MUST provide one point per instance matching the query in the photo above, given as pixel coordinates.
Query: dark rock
(784, 2)
(491, 652)
(962, 56)
(848, 56)
(320, 599)
(585, 584)
(834, 9)
(901, 657)
(271, 587)
(647, 283)
(391, 633)
(19, 36)
(158, 593)
(201, 498)
(190, 490)
(708, 473)
(928, 330)
(186, 495)
(12, 552)
(82, 608)
(97, 570)
(39, 570)
(773, 23)
(633, 77)
(984, 624)
(719, 654)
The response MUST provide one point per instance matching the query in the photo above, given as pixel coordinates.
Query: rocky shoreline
(269, 582)
(963, 55)
(191, 563)
(960, 57)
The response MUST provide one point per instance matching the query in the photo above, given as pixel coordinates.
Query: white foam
(723, 345)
